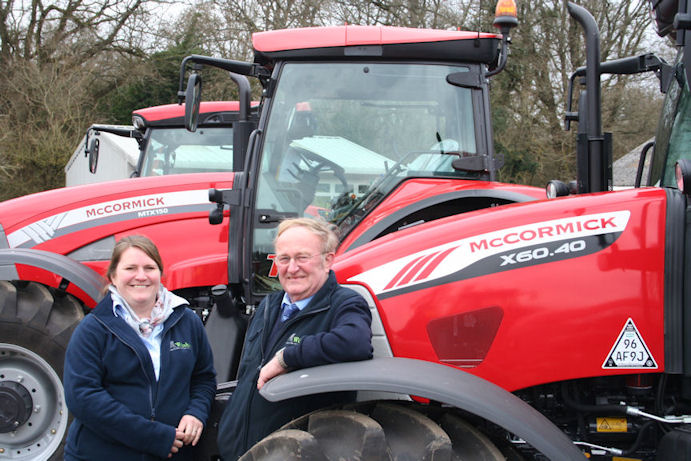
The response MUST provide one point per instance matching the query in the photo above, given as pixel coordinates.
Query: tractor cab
(351, 116)
(336, 151)
(168, 148)
(165, 147)
(658, 159)
(217, 142)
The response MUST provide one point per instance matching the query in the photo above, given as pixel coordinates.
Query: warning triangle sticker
(603, 425)
(629, 351)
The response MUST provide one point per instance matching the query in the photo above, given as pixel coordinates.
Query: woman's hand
(191, 428)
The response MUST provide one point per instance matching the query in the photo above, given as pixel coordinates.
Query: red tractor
(157, 144)
(51, 270)
(165, 147)
(519, 324)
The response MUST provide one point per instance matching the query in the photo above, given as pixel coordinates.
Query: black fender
(436, 382)
(76, 273)
(373, 231)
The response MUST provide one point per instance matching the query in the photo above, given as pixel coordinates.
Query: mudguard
(78, 274)
(385, 222)
(440, 383)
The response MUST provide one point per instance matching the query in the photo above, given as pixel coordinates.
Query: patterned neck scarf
(165, 302)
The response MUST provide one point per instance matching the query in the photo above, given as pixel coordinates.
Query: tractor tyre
(376, 431)
(35, 326)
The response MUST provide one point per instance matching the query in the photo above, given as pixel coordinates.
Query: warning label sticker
(629, 350)
(610, 424)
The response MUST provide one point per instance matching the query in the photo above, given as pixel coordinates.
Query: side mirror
(93, 154)
(193, 98)
(683, 174)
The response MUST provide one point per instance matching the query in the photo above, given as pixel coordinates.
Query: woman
(139, 376)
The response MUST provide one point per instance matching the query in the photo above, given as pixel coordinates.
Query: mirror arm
(249, 69)
(124, 132)
(503, 57)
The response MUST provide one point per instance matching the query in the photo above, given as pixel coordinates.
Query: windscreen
(673, 136)
(176, 151)
(341, 136)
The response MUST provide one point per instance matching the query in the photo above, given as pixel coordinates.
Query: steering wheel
(317, 164)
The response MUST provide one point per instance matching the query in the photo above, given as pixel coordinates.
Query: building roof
(354, 158)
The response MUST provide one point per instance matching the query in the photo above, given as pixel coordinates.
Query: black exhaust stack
(594, 149)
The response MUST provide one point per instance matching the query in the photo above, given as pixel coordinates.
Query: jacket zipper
(141, 364)
(165, 331)
(263, 358)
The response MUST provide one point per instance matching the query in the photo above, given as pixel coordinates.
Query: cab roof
(348, 42)
(176, 112)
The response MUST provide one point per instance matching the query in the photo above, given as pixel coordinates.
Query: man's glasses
(284, 260)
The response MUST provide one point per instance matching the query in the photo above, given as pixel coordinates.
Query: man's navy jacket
(334, 327)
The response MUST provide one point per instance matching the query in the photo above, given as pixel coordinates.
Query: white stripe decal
(462, 253)
(40, 231)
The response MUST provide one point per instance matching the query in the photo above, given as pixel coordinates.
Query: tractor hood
(35, 219)
(84, 222)
(457, 289)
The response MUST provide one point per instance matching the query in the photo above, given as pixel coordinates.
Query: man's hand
(177, 443)
(268, 371)
(191, 429)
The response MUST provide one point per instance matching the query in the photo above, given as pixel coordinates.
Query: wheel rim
(26, 378)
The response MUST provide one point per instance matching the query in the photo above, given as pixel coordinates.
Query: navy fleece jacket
(120, 410)
(334, 327)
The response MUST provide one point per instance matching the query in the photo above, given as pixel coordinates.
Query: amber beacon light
(505, 15)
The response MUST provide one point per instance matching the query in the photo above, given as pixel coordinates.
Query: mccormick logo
(542, 232)
(126, 205)
(497, 251)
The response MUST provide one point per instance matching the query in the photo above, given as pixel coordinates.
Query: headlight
(556, 189)
(138, 122)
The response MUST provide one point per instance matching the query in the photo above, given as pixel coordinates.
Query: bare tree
(547, 47)
(60, 58)
(434, 14)
(56, 57)
(33, 31)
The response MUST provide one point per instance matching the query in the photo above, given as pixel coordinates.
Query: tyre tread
(381, 431)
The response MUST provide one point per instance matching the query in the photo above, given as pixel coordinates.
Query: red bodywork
(337, 36)
(172, 210)
(444, 295)
(413, 191)
(177, 111)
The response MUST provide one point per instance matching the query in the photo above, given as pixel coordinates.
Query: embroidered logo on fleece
(179, 345)
(293, 339)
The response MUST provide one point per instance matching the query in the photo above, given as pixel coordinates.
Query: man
(313, 321)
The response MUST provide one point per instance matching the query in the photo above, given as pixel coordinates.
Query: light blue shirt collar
(300, 304)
